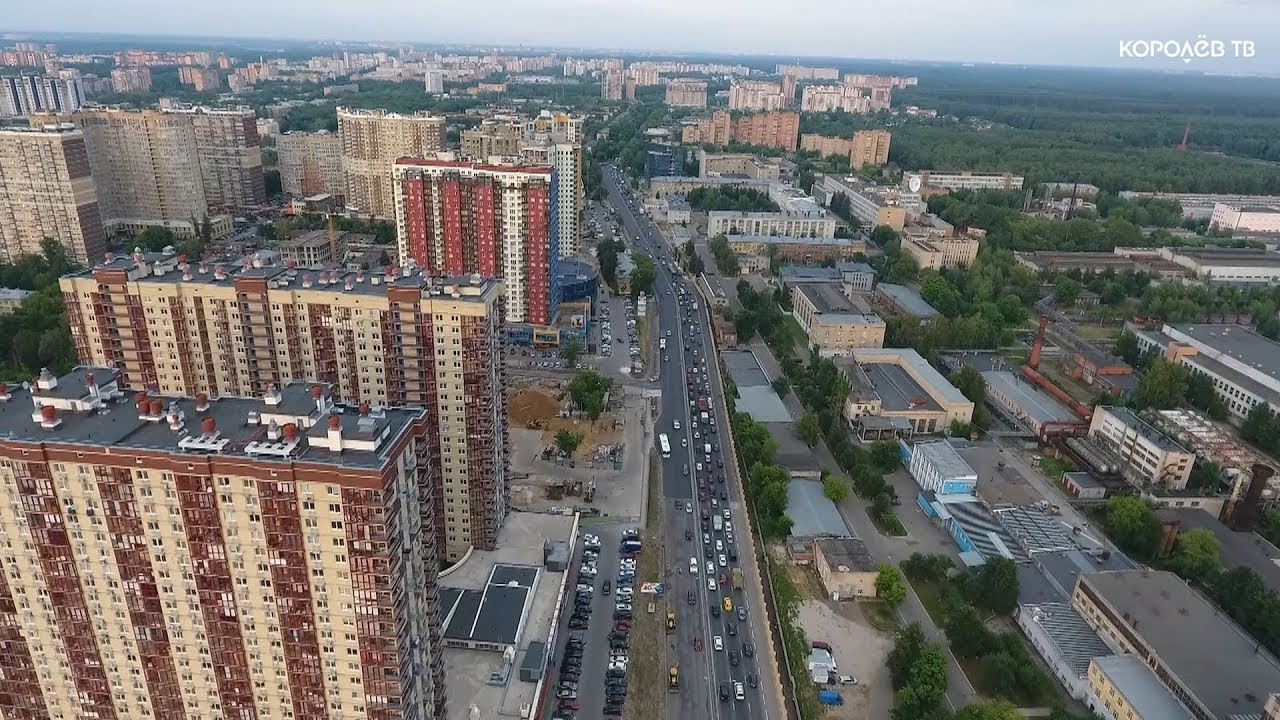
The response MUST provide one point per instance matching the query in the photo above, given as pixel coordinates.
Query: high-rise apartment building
(131, 79)
(755, 95)
(458, 218)
(372, 141)
(556, 139)
(629, 88)
(832, 98)
(611, 85)
(146, 168)
(716, 129)
(201, 79)
(230, 153)
(310, 164)
(433, 81)
(774, 129)
(687, 93)
(866, 147)
(47, 191)
(233, 558)
(26, 95)
(789, 90)
(809, 73)
(397, 338)
(501, 136)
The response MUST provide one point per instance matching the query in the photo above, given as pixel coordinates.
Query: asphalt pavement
(701, 671)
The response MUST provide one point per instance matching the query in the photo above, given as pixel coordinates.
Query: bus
(665, 444)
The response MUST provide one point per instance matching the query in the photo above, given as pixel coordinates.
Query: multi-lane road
(684, 323)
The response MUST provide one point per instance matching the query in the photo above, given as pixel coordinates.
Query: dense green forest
(35, 335)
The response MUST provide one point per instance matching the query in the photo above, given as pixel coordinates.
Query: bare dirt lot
(537, 408)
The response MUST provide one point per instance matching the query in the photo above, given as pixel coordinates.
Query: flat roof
(493, 614)
(1221, 664)
(811, 513)
(792, 240)
(908, 300)
(1237, 548)
(1144, 428)
(1140, 687)
(847, 554)
(744, 369)
(1036, 404)
(806, 272)
(937, 384)
(944, 456)
(1238, 342)
(897, 390)
(819, 214)
(1034, 530)
(1072, 638)
(762, 404)
(1237, 257)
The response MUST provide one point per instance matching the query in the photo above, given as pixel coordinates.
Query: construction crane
(1186, 133)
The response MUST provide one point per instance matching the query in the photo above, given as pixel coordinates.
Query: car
(710, 555)
(569, 705)
(577, 624)
(621, 614)
(819, 645)
(686, 471)
(567, 694)
(748, 649)
(719, 545)
(848, 680)
(688, 507)
(742, 613)
(721, 560)
(733, 658)
(692, 599)
(693, 566)
(738, 692)
(684, 442)
(724, 691)
(753, 680)
(615, 673)
(731, 629)
(605, 588)
(715, 610)
(688, 534)
(717, 643)
(726, 514)
(697, 643)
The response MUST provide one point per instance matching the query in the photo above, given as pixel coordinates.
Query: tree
(996, 586)
(1196, 554)
(967, 633)
(568, 442)
(1133, 525)
(1162, 387)
(908, 646)
(587, 389)
(929, 568)
(885, 455)
(890, 587)
(642, 276)
(571, 351)
(1066, 291)
(1206, 476)
(1269, 526)
(868, 483)
(607, 256)
(807, 429)
(883, 235)
(1126, 348)
(835, 489)
(1000, 709)
(782, 386)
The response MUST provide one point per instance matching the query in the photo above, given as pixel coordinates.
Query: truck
(671, 621)
(717, 523)
(662, 344)
(705, 418)
(737, 579)
(702, 404)
(830, 697)
(629, 546)
(706, 448)
(673, 677)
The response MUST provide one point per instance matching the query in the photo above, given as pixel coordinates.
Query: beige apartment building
(310, 164)
(939, 253)
(393, 338)
(756, 96)
(268, 557)
(834, 325)
(500, 136)
(372, 140)
(146, 169)
(687, 93)
(772, 129)
(716, 129)
(47, 191)
(832, 98)
(866, 147)
(230, 154)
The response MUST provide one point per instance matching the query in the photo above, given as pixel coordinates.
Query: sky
(1051, 32)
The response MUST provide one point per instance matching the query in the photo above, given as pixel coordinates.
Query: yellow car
(728, 604)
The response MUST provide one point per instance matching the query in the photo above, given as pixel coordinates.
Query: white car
(711, 568)
(622, 606)
(717, 642)
(738, 692)
(726, 513)
(711, 585)
(688, 506)
(684, 442)
(719, 545)
(698, 466)
(722, 561)
(693, 566)
(675, 424)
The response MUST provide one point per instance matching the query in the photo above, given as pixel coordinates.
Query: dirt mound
(529, 405)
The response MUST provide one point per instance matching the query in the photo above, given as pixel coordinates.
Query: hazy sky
(1063, 32)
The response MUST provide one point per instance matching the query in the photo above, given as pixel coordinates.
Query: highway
(701, 671)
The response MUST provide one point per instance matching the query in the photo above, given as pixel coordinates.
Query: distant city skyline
(1081, 33)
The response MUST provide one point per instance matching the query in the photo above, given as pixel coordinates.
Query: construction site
(602, 475)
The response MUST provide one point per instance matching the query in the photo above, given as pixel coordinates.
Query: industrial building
(1093, 262)
(1227, 266)
(1025, 403)
(803, 250)
(238, 545)
(902, 300)
(1243, 366)
(831, 322)
(183, 329)
(815, 224)
(938, 468)
(896, 391)
(871, 205)
(1065, 641)
(845, 568)
(1122, 687)
(1246, 219)
(1147, 455)
(1199, 206)
(458, 218)
(968, 180)
(1206, 661)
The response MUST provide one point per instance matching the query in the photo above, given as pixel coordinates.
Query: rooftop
(890, 360)
(832, 307)
(297, 424)
(15, 294)
(811, 513)
(1237, 548)
(943, 455)
(1237, 257)
(1140, 687)
(796, 273)
(814, 214)
(1237, 342)
(793, 240)
(1072, 638)
(492, 615)
(1144, 428)
(744, 369)
(1035, 531)
(846, 554)
(1035, 404)
(1221, 665)
(908, 301)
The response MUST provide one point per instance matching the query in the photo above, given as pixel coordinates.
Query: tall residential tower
(46, 191)
(372, 140)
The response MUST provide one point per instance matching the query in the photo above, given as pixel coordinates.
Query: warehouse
(937, 467)
(1023, 402)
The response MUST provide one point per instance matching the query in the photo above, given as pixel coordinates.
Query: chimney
(290, 432)
(209, 427)
(175, 417)
(156, 408)
(108, 258)
(47, 380)
(138, 257)
(140, 401)
(291, 264)
(306, 280)
(204, 268)
(202, 401)
(335, 433)
(219, 273)
(364, 408)
(360, 275)
(350, 284)
(49, 417)
(273, 431)
(91, 385)
(186, 272)
(246, 262)
(317, 394)
(272, 395)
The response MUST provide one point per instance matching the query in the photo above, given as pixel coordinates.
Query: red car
(724, 579)
(569, 705)
(622, 626)
(697, 643)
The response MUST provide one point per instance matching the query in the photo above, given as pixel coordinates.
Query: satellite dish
(913, 183)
